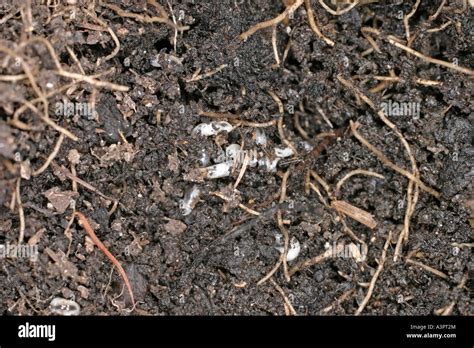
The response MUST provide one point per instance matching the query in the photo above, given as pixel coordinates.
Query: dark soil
(169, 258)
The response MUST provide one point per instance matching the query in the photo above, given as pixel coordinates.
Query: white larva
(269, 165)
(307, 146)
(220, 170)
(205, 158)
(293, 249)
(61, 306)
(213, 128)
(232, 151)
(260, 137)
(283, 152)
(190, 200)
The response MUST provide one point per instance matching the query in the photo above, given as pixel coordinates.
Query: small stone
(175, 227)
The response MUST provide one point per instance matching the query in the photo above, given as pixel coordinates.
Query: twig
(313, 25)
(355, 213)
(338, 12)
(440, 28)
(356, 172)
(389, 163)
(245, 163)
(376, 275)
(272, 271)
(338, 301)
(407, 17)
(281, 132)
(175, 38)
(65, 172)
(20, 212)
(428, 268)
(285, 298)
(286, 244)
(262, 25)
(392, 40)
(142, 18)
(208, 74)
(275, 46)
(51, 156)
(438, 11)
(317, 259)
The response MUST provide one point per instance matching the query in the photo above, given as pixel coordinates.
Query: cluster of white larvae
(233, 157)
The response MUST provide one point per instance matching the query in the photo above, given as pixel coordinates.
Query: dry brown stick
(31, 78)
(245, 163)
(285, 298)
(438, 11)
(275, 46)
(75, 76)
(65, 172)
(338, 301)
(376, 275)
(411, 199)
(322, 182)
(51, 156)
(262, 25)
(355, 213)
(392, 40)
(389, 163)
(286, 244)
(272, 271)
(92, 81)
(208, 74)
(407, 17)
(281, 132)
(315, 260)
(21, 214)
(49, 121)
(143, 18)
(356, 172)
(420, 81)
(428, 268)
(338, 12)
(440, 28)
(106, 27)
(299, 128)
(234, 119)
(13, 78)
(284, 182)
(101, 246)
(254, 124)
(315, 189)
(323, 115)
(75, 59)
(313, 25)
(365, 32)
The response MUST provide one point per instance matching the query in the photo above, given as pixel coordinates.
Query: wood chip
(60, 199)
(355, 213)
